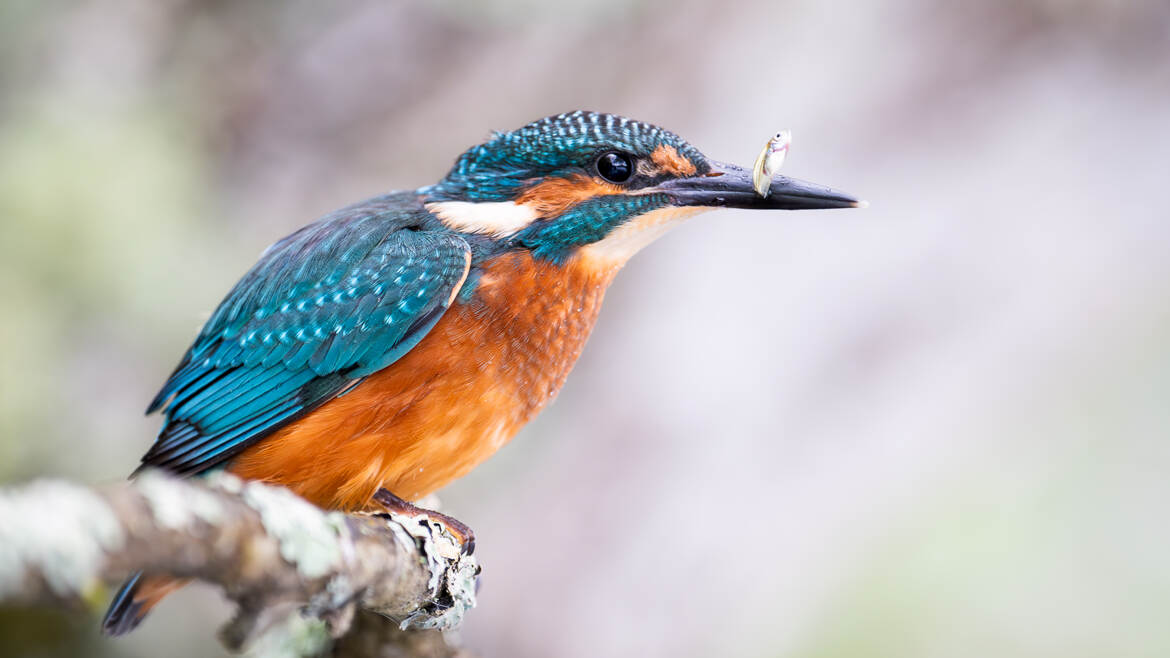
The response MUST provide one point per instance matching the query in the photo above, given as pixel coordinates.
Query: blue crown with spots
(557, 145)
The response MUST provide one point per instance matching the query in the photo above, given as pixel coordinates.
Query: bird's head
(597, 184)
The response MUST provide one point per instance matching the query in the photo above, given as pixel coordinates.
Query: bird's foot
(459, 530)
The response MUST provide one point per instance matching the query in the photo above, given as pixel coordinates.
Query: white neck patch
(628, 239)
(496, 218)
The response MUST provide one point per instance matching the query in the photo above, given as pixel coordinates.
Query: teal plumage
(325, 307)
(555, 145)
(585, 223)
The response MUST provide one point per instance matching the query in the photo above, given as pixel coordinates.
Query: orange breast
(483, 371)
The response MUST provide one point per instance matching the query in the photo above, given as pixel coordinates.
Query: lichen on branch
(268, 549)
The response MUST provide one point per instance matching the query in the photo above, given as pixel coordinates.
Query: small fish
(770, 160)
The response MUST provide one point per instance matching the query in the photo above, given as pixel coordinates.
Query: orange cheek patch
(669, 161)
(551, 198)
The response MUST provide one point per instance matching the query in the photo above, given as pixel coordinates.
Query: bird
(391, 346)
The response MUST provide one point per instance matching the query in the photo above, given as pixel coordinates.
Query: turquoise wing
(322, 309)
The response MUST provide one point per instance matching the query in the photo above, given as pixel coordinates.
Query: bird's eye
(615, 167)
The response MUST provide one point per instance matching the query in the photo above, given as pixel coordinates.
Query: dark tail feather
(124, 613)
(134, 600)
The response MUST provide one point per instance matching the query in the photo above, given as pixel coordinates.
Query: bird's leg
(457, 528)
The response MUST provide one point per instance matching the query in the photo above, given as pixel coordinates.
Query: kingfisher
(393, 345)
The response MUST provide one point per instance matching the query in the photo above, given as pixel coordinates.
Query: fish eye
(615, 167)
(778, 135)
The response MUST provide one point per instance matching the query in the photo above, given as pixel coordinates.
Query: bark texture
(300, 575)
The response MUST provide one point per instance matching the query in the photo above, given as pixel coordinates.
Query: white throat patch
(500, 219)
(628, 239)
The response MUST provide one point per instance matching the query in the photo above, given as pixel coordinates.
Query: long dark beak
(730, 186)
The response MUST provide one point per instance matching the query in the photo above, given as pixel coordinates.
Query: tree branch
(299, 574)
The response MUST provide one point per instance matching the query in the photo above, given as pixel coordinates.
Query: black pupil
(614, 167)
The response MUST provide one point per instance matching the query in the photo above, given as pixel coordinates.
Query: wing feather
(322, 309)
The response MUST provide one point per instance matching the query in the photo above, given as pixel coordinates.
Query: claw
(457, 528)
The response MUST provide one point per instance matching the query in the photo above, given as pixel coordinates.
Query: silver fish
(770, 160)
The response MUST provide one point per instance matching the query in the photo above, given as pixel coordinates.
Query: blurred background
(937, 427)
